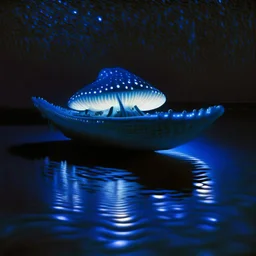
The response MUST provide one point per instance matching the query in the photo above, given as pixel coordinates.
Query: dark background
(200, 51)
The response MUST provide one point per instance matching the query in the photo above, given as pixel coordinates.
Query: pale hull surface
(148, 132)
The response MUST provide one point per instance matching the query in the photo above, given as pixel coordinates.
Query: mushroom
(118, 89)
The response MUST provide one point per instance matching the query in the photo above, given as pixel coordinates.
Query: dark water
(58, 198)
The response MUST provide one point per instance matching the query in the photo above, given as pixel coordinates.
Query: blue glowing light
(118, 214)
(119, 223)
(93, 105)
(62, 218)
(109, 79)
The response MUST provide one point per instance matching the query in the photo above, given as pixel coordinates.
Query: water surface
(58, 198)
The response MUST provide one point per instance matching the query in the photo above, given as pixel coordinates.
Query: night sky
(201, 51)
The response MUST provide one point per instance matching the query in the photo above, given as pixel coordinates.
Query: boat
(116, 110)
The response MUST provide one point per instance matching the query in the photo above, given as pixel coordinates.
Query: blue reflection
(121, 221)
(125, 214)
(62, 218)
(67, 194)
(123, 203)
(190, 200)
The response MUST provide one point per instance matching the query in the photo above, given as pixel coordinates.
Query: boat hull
(149, 132)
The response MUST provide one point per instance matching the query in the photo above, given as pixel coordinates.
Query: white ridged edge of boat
(158, 131)
(109, 111)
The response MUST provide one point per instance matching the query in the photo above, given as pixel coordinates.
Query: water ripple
(158, 202)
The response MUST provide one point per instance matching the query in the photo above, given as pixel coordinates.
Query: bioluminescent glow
(97, 202)
(126, 214)
(65, 196)
(109, 113)
(117, 82)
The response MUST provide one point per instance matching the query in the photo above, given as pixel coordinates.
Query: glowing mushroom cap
(113, 83)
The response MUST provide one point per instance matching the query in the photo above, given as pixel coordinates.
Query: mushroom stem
(110, 112)
(138, 110)
(122, 108)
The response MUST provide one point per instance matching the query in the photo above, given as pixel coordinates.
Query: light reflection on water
(126, 216)
(116, 203)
